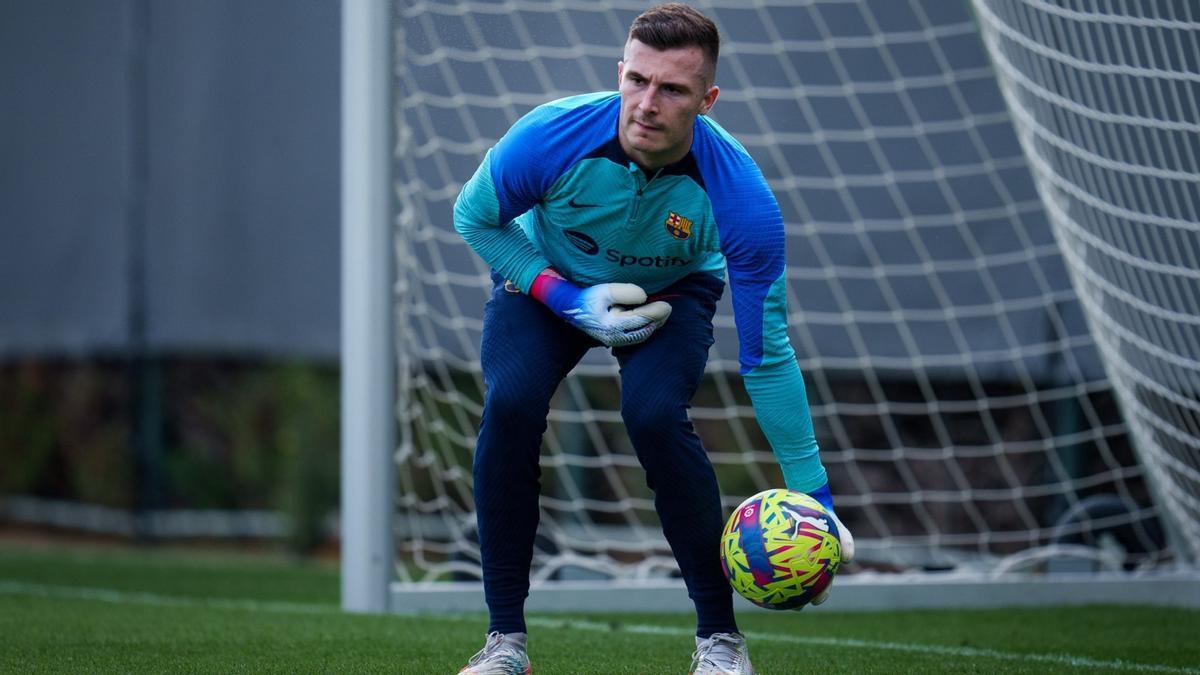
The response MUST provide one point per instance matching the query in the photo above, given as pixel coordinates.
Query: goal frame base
(862, 592)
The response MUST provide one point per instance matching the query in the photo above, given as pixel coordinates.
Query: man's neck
(651, 163)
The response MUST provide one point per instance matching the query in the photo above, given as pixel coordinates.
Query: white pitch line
(157, 600)
(1065, 660)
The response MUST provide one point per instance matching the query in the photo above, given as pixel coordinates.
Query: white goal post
(367, 363)
(991, 210)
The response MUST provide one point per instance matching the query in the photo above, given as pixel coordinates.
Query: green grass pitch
(104, 610)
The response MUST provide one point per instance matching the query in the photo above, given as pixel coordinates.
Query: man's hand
(616, 315)
(847, 541)
(825, 497)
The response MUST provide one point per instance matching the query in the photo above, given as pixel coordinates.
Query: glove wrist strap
(823, 495)
(554, 291)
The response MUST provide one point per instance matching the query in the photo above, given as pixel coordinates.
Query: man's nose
(649, 102)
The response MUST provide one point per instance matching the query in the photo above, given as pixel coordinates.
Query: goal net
(975, 412)
(1106, 101)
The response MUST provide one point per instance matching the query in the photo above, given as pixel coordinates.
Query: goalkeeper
(615, 219)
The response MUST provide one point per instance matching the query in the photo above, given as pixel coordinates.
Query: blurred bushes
(63, 432)
(236, 435)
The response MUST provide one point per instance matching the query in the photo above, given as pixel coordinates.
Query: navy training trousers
(526, 352)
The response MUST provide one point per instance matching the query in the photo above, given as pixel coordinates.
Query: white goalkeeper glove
(615, 315)
(847, 541)
(825, 497)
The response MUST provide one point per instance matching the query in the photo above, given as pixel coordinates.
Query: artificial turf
(85, 610)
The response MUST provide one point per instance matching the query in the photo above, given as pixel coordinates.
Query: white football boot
(721, 654)
(847, 541)
(501, 655)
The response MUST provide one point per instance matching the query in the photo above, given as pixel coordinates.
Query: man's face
(662, 92)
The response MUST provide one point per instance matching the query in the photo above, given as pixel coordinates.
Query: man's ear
(620, 72)
(710, 97)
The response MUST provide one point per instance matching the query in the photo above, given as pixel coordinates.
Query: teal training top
(558, 191)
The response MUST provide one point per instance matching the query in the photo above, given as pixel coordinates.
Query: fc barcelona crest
(678, 226)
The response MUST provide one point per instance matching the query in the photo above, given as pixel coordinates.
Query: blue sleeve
(750, 228)
(500, 242)
(518, 172)
(781, 406)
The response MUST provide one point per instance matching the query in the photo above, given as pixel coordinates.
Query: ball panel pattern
(780, 549)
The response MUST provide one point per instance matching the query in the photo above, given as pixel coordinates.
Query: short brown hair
(676, 25)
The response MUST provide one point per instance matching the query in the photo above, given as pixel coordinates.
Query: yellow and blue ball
(780, 549)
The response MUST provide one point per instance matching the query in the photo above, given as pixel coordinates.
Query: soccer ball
(780, 549)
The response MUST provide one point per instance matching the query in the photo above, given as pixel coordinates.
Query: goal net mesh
(1106, 100)
(974, 411)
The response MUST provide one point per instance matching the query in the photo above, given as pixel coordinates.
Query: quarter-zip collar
(613, 152)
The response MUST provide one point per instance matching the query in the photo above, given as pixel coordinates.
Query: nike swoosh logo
(576, 205)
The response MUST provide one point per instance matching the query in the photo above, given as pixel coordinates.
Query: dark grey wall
(169, 174)
(198, 138)
(64, 175)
